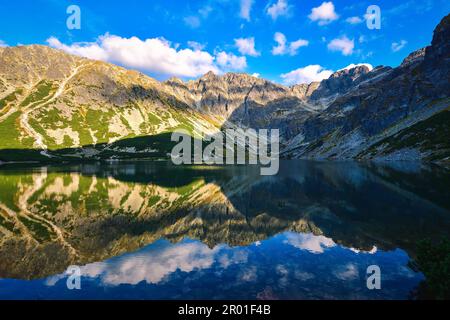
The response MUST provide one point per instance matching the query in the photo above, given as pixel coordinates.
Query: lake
(152, 230)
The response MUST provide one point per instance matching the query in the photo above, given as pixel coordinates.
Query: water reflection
(152, 230)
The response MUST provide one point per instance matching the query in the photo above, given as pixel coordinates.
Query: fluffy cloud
(324, 13)
(397, 46)
(3, 44)
(229, 61)
(278, 9)
(283, 47)
(246, 46)
(154, 266)
(293, 46)
(246, 7)
(309, 242)
(354, 20)
(196, 46)
(158, 262)
(308, 74)
(156, 55)
(342, 44)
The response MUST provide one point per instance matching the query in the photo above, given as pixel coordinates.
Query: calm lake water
(143, 230)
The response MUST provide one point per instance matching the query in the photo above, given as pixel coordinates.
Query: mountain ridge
(51, 100)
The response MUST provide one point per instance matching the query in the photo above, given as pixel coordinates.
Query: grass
(10, 134)
(10, 98)
(42, 91)
(431, 134)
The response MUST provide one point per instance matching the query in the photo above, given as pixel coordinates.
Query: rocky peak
(440, 45)
(174, 80)
(436, 65)
(240, 78)
(340, 82)
(414, 57)
(351, 72)
(210, 75)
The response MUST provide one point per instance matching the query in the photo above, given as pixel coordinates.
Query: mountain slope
(52, 100)
(382, 104)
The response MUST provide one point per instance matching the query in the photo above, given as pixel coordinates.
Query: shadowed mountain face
(53, 217)
(381, 114)
(50, 100)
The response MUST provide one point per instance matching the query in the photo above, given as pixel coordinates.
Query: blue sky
(287, 41)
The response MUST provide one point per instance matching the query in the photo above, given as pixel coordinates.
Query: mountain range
(55, 106)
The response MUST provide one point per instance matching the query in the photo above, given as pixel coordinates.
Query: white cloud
(342, 44)
(324, 13)
(397, 46)
(154, 266)
(256, 75)
(3, 44)
(278, 9)
(248, 275)
(295, 45)
(283, 47)
(229, 61)
(351, 66)
(308, 74)
(354, 20)
(246, 46)
(157, 263)
(246, 7)
(91, 50)
(347, 272)
(196, 46)
(309, 242)
(156, 55)
(192, 21)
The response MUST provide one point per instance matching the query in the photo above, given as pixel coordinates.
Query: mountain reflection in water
(157, 231)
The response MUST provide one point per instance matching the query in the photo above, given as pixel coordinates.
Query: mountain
(52, 101)
(55, 106)
(396, 114)
(247, 101)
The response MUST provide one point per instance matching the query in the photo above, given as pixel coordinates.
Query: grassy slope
(91, 126)
(428, 136)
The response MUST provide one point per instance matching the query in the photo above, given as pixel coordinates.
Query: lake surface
(142, 230)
